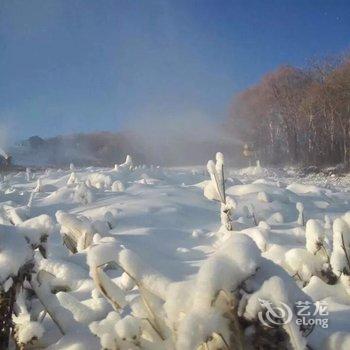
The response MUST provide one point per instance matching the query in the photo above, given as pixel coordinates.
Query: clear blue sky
(80, 65)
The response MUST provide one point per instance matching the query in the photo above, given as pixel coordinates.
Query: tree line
(297, 115)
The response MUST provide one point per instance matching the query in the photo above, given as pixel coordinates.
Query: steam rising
(181, 140)
(160, 140)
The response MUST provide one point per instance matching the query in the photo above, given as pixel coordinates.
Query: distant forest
(297, 116)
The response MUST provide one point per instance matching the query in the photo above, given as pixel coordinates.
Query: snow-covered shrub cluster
(135, 258)
(206, 310)
(17, 245)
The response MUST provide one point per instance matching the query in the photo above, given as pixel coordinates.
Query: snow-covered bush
(26, 330)
(83, 194)
(128, 162)
(37, 230)
(118, 186)
(205, 311)
(303, 264)
(73, 180)
(16, 266)
(274, 293)
(127, 165)
(315, 239)
(263, 197)
(314, 233)
(41, 285)
(105, 330)
(276, 218)
(259, 234)
(99, 181)
(340, 258)
(77, 231)
(151, 286)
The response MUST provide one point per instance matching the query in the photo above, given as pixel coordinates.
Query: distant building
(34, 142)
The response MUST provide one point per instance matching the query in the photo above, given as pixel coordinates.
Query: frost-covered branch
(16, 258)
(26, 330)
(215, 190)
(41, 285)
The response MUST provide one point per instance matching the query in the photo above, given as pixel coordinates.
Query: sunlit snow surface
(162, 215)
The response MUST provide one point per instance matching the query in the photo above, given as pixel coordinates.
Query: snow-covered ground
(150, 233)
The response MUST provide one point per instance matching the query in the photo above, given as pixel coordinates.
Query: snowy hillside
(140, 257)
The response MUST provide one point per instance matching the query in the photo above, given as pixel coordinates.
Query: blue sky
(80, 65)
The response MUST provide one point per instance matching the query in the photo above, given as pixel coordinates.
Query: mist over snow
(181, 139)
(172, 140)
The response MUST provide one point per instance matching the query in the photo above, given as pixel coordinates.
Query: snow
(83, 195)
(77, 228)
(314, 236)
(341, 245)
(14, 251)
(199, 326)
(154, 255)
(117, 186)
(31, 330)
(37, 229)
(126, 282)
(110, 290)
(302, 263)
(129, 329)
(138, 271)
(26, 329)
(338, 340)
(225, 270)
(304, 189)
(99, 181)
(72, 179)
(39, 186)
(300, 208)
(275, 291)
